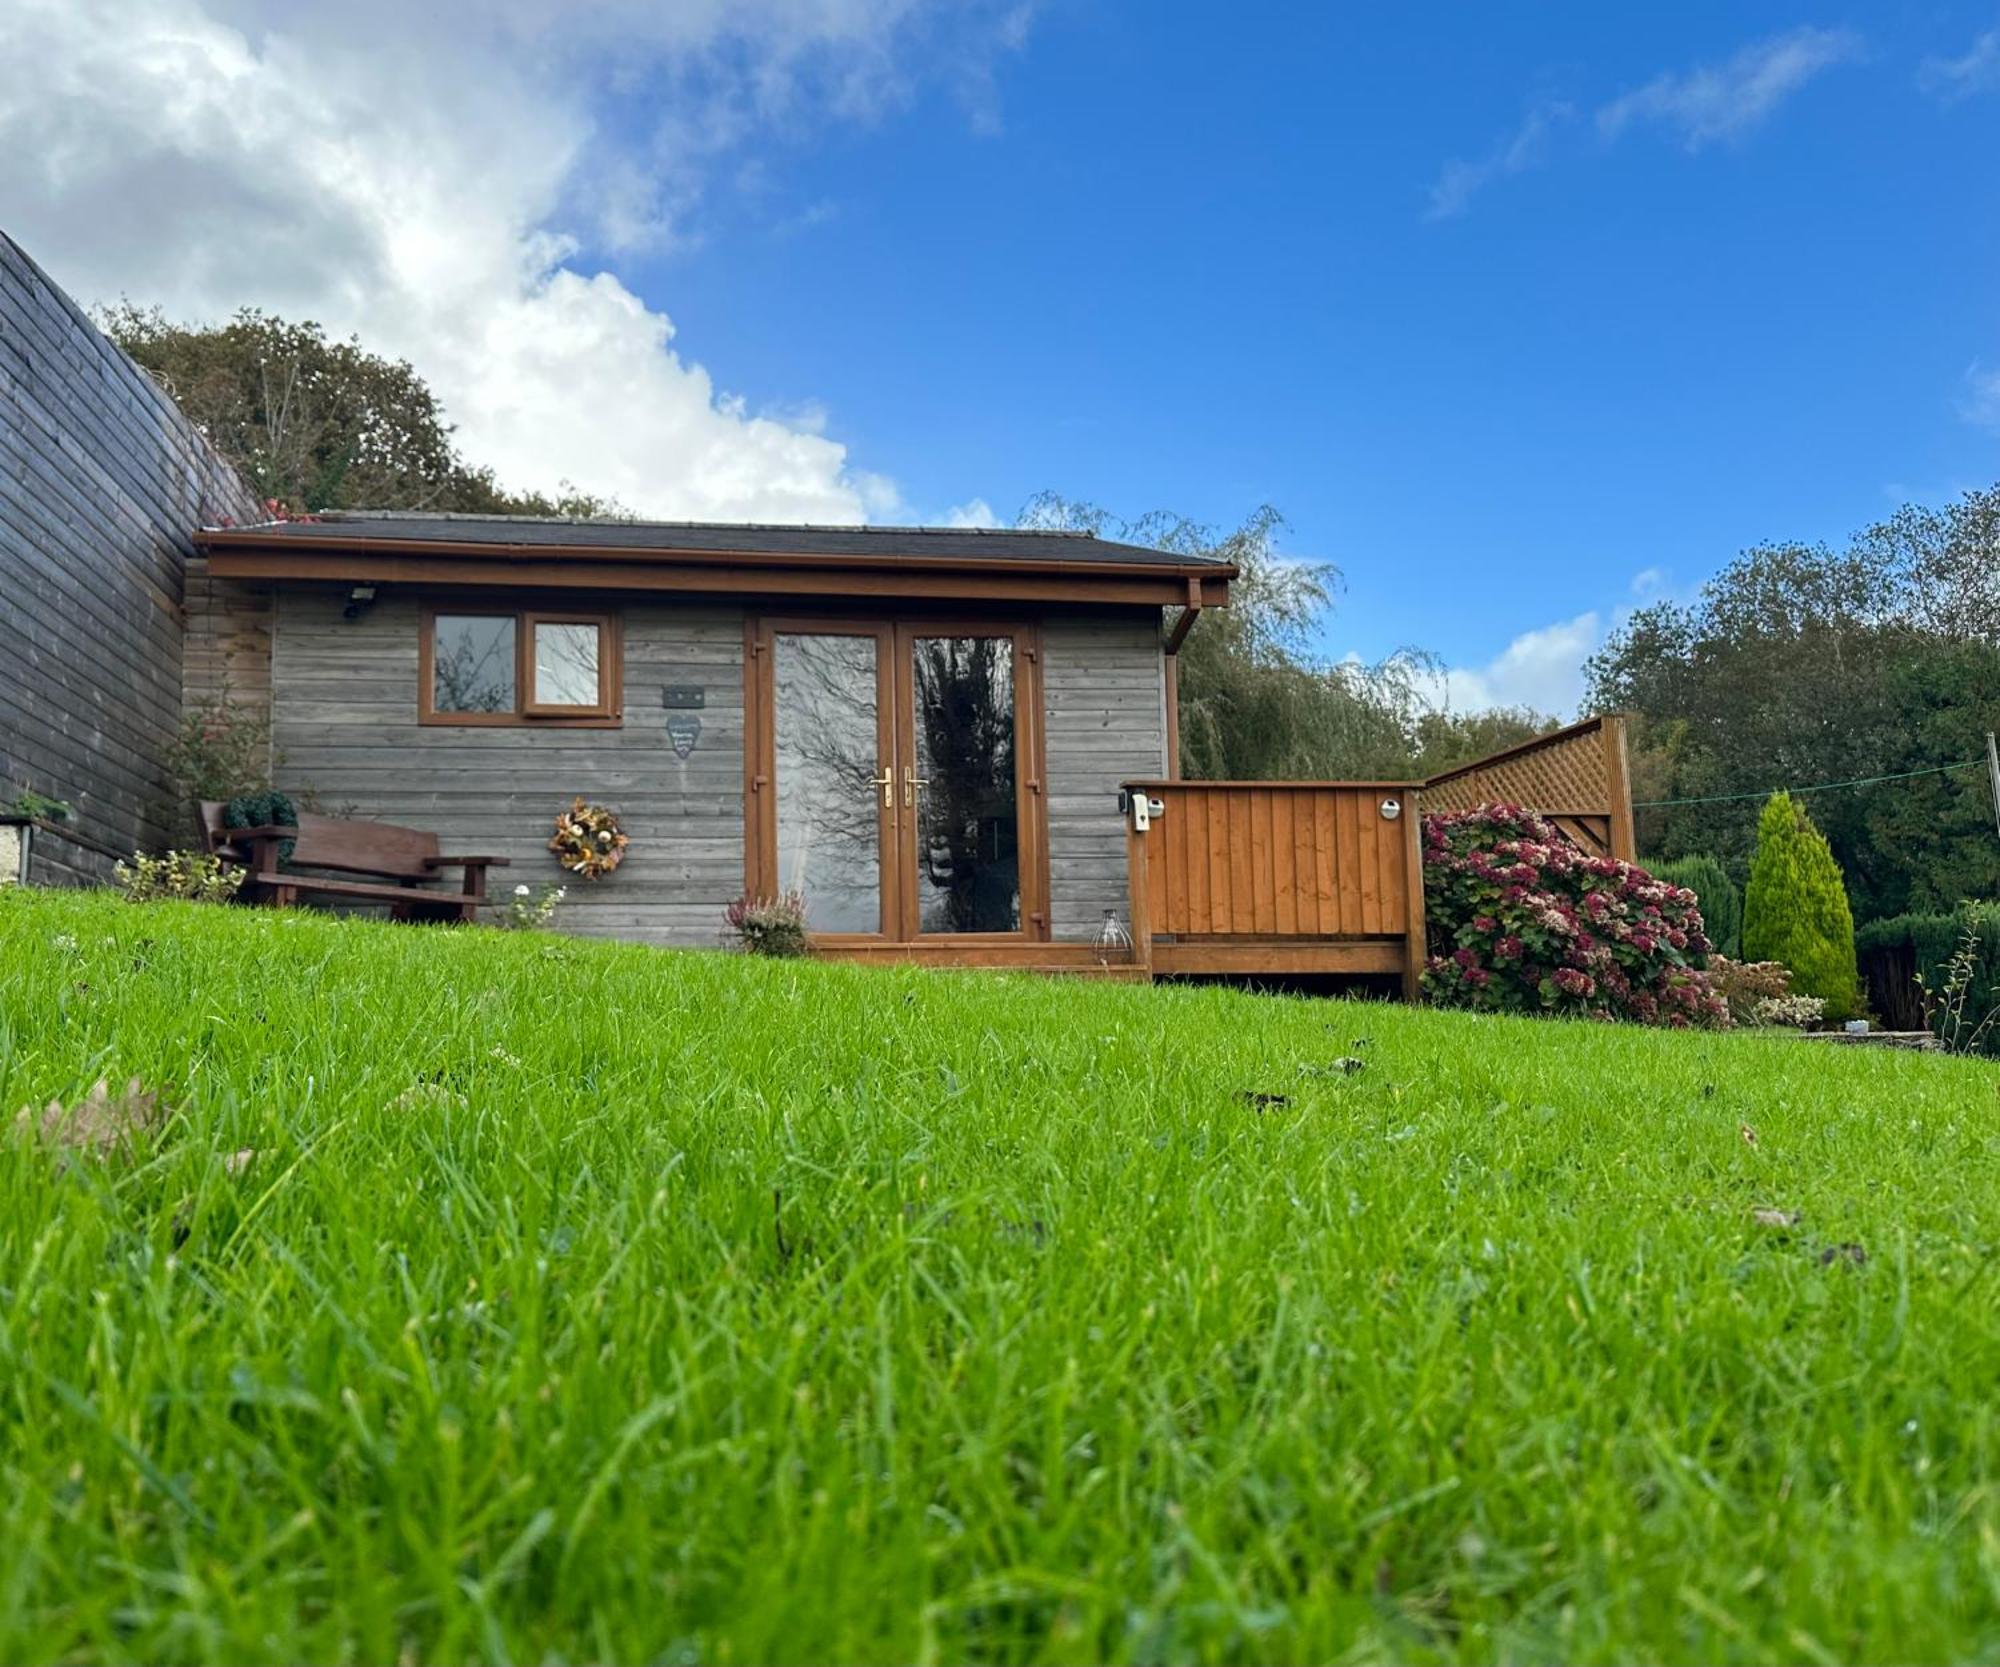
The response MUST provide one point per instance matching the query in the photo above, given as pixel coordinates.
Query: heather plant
(769, 925)
(1521, 921)
(1795, 908)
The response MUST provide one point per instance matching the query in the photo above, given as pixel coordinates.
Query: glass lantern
(1114, 942)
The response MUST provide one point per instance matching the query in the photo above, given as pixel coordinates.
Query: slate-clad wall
(346, 727)
(347, 732)
(101, 482)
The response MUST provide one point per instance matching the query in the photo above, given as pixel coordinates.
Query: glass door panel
(962, 806)
(830, 745)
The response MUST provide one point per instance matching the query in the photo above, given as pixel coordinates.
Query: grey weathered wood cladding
(345, 708)
(102, 480)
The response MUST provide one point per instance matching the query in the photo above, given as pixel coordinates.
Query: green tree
(319, 424)
(1799, 665)
(1795, 908)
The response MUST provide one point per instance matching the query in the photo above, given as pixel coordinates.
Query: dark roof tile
(913, 544)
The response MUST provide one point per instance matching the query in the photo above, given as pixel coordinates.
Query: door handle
(887, 782)
(911, 782)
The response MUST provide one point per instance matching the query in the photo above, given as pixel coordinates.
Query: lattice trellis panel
(1575, 777)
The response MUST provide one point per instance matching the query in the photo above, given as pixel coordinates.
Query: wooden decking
(1278, 878)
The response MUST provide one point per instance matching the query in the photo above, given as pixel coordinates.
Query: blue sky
(1194, 261)
(1519, 315)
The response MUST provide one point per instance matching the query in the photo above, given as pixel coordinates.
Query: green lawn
(584, 1302)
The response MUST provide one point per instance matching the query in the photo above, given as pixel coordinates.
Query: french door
(894, 778)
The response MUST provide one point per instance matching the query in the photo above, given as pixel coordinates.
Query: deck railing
(1277, 877)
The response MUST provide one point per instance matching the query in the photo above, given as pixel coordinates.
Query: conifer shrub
(1721, 903)
(1522, 921)
(1795, 909)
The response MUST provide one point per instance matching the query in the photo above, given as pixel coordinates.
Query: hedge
(1895, 952)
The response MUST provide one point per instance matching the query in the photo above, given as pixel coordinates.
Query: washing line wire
(1822, 787)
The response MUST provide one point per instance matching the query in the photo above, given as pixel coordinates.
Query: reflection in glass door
(962, 783)
(829, 735)
(893, 778)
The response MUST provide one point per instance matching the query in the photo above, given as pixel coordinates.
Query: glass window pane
(968, 821)
(825, 738)
(565, 664)
(472, 664)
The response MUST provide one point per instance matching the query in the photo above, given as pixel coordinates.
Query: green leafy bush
(1795, 909)
(1521, 921)
(191, 875)
(1721, 903)
(28, 802)
(1908, 955)
(221, 747)
(266, 809)
(1747, 986)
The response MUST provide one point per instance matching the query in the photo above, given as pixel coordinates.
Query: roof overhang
(267, 553)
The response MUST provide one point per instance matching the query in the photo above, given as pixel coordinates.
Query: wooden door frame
(760, 761)
(898, 866)
(1030, 786)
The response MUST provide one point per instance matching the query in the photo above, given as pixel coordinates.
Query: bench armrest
(468, 862)
(277, 830)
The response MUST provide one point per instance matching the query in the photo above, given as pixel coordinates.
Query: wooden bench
(398, 860)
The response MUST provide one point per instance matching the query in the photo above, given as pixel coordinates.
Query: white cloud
(431, 177)
(977, 512)
(1648, 582)
(1526, 147)
(1981, 401)
(1724, 101)
(1976, 70)
(1542, 669)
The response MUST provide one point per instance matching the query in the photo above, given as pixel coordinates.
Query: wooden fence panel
(1576, 777)
(1278, 860)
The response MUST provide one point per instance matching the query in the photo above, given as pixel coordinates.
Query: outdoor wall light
(1391, 809)
(358, 600)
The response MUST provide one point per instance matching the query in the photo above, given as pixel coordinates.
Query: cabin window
(518, 666)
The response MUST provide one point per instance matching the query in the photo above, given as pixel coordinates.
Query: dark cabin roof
(444, 549)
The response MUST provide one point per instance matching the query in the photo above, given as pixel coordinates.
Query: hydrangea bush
(1522, 921)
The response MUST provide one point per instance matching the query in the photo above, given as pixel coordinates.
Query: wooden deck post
(1618, 788)
(1414, 950)
(1139, 901)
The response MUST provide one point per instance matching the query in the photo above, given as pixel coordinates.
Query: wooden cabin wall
(345, 695)
(346, 726)
(1104, 684)
(102, 481)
